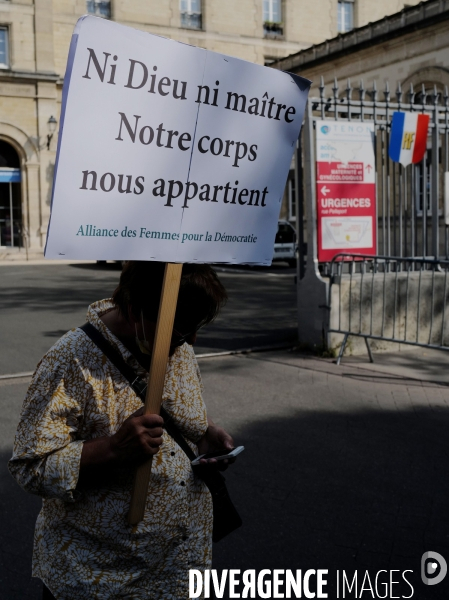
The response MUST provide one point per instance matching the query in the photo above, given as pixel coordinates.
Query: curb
(285, 346)
(207, 355)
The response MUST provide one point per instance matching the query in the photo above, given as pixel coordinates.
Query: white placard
(169, 152)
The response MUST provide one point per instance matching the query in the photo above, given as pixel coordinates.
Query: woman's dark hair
(201, 294)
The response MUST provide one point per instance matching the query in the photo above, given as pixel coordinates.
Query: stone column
(313, 309)
(33, 192)
(46, 106)
(43, 35)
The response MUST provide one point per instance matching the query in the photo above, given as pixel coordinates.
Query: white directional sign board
(169, 152)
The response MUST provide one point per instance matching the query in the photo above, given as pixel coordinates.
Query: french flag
(408, 137)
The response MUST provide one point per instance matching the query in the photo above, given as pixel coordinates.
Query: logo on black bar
(433, 568)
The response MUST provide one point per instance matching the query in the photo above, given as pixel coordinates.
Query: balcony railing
(100, 8)
(273, 30)
(191, 20)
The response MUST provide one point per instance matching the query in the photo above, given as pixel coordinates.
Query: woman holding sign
(82, 433)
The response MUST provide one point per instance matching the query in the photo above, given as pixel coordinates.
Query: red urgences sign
(346, 189)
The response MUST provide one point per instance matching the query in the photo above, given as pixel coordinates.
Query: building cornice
(408, 20)
(13, 76)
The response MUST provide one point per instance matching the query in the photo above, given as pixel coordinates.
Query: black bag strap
(137, 383)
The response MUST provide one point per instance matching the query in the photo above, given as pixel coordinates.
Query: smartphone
(219, 455)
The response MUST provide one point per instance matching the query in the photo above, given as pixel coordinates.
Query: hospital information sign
(346, 188)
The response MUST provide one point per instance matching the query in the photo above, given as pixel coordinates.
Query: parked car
(285, 243)
(103, 262)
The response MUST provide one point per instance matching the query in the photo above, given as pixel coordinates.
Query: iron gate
(410, 206)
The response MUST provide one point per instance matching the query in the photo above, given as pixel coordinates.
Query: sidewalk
(20, 254)
(19, 257)
(346, 467)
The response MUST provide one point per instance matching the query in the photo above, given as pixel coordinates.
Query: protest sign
(346, 188)
(173, 153)
(169, 152)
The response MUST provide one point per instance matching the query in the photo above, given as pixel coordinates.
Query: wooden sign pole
(155, 388)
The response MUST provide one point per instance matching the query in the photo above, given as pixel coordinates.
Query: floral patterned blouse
(83, 545)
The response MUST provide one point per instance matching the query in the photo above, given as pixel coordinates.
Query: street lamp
(51, 124)
(51, 127)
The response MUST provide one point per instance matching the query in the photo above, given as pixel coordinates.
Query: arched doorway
(10, 197)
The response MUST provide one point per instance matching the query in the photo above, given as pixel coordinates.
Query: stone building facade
(409, 47)
(34, 41)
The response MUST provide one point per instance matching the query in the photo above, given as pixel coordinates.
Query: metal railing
(191, 20)
(393, 299)
(99, 8)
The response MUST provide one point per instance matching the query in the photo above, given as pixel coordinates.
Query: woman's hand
(215, 438)
(139, 437)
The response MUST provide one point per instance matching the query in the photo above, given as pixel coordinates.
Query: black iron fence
(411, 220)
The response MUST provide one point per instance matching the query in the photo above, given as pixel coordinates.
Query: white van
(285, 243)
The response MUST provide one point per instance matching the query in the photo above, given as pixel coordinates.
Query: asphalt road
(39, 303)
(345, 467)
